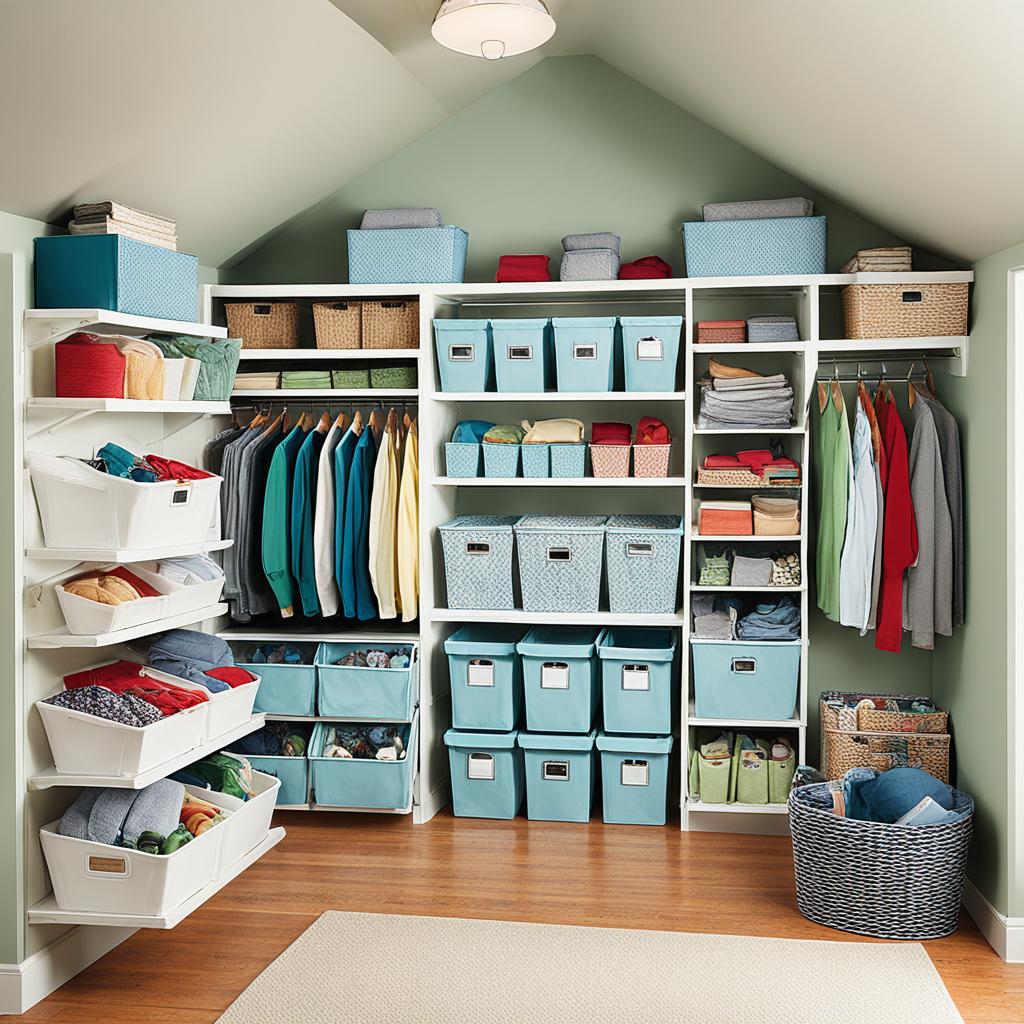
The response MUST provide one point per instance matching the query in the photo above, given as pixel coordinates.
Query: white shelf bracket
(184, 426)
(64, 421)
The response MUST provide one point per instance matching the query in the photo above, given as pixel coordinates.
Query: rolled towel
(611, 433)
(404, 217)
(523, 268)
(651, 430)
(760, 209)
(595, 240)
(156, 808)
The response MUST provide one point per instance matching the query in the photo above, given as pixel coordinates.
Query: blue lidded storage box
(368, 694)
(636, 679)
(643, 563)
(285, 689)
(118, 273)
(500, 460)
(740, 248)
(486, 677)
(536, 460)
(568, 460)
(293, 773)
(464, 355)
(478, 561)
(560, 678)
(650, 350)
(560, 560)
(522, 354)
(407, 255)
(634, 779)
(487, 774)
(745, 681)
(585, 353)
(560, 776)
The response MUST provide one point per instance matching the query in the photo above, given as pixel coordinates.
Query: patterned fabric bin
(285, 689)
(486, 677)
(293, 773)
(651, 459)
(536, 460)
(738, 248)
(650, 350)
(585, 353)
(464, 354)
(568, 460)
(393, 378)
(501, 460)
(487, 774)
(560, 776)
(478, 561)
(634, 778)
(523, 359)
(560, 678)
(560, 562)
(367, 694)
(462, 460)
(350, 379)
(610, 459)
(636, 679)
(407, 255)
(643, 563)
(780, 328)
(745, 681)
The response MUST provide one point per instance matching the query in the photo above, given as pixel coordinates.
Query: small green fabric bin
(350, 379)
(393, 378)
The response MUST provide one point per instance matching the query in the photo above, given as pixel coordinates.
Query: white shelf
(126, 554)
(307, 394)
(344, 810)
(748, 487)
(699, 805)
(255, 635)
(47, 911)
(697, 588)
(376, 720)
(558, 618)
(803, 642)
(129, 405)
(63, 638)
(559, 396)
(746, 538)
(326, 355)
(578, 481)
(106, 321)
(741, 723)
(50, 777)
(753, 346)
(882, 345)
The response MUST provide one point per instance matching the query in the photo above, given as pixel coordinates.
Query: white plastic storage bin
(478, 561)
(585, 353)
(522, 354)
(228, 709)
(366, 694)
(249, 822)
(650, 350)
(80, 507)
(643, 563)
(180, 597)
(560, 562)
(742, 681)
(464, 356)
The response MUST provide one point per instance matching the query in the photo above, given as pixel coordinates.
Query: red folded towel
(651, 430)
(755, 459)
(722, 462)
(647, 267)
(232, 675)
(172, 469)
(611, 433)
(523, 268)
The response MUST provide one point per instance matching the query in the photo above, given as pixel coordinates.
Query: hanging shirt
(342, 468)
(323, 524)
(276, 515)
(213, 450)
(856, 564)
(357, 590)
(833, 481)
(879, 466)
(383, 518)
(408, 543)
(231, 461)
(303, 558)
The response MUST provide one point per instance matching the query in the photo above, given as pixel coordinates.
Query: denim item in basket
(486, 773)
(887, 796)
(536, 459)
(560, 561)
(407, 255)
(119, 462)
(560, 678)
(405, 217)
(643, 562)
(637, 666)
(486, 676)
(218, 362)
(650, 350)
(771, 620)
(560, 776)
(523, 360)
(589, 265)
(585, 353)
(478, 561)
(190, 655)
(634, 778)
(786, 245)
(464, 355)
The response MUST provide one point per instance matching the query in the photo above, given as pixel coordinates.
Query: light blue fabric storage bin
(487, 774)
(536, 460)
(650, 350)
(560, 776)
(118, 273)
(464, 355)
(352, 782)
(486, 677)
(522, 354)
(368, 694)
(560, 678)
(745, 681)
(560, 562)
(478, 561)
(643, 563)
(568, 460)
(634, 779)
(293, 773)
(407, 255)
(501, 459)
(461, 459)
(285, 689)
(585, 353)
(738, 248)
(636, 679)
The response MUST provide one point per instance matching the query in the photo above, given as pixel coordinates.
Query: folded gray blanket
(776, 380)
(595, 240)
(590, 265)
(716, 626)
(759, 209)
(408, 217)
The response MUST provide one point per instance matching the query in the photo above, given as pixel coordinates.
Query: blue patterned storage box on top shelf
(293, 773)
(743, 681)
(118, 273)
(560, 680)
(501, 460)
(462, 459)
(486, 677)
(369, 694)
(560, 562)
(407, 255)
(739, 248)
(650, 350)
(637, 669)
(464, 355)
(536, 460)
(634, 779)
(478, 561)
(585, 353)
(487, 774)
(560, 776)
(568, 460)
(285, 689)
(522, 354)
(643, 563)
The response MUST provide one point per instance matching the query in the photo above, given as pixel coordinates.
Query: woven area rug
(358, 968)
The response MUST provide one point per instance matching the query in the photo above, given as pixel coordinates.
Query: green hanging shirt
(832, 453)
(276, 513)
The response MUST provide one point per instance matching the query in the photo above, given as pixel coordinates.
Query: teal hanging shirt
(300, 525)
(276, 513)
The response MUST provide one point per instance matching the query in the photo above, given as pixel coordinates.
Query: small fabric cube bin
(487, 774)
(780, 779)
(739, 248)
(714, 777)
(536, 460)
(350, 379)
(464, 355)
(478, 561)
(725, 519)
(461, 459)
(486, 677)
(650, 350)
(407, 255)
(368, 694)
(634, 779)
(743, 681)
(721, 332)
(651, 459)
(501, 460)
(636, 679)
(750, 778)
(643, 563)
(560, 678)
(523, 359)
(396, 378)
(285, 689)
(780, 328)
(560, 776)
(585, 353)
(293, 773)
(568, 460)
(560, 562)
(607, 460)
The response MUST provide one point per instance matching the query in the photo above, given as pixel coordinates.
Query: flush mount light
(493, 28)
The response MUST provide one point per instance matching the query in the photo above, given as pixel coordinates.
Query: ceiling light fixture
(493, 29)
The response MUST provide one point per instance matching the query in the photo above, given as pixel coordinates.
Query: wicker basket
(391, 323)
(337, 324)
(721, 332)
(843, 750)
(729, 478)
(609, 459)
(905, 311)
(876, 720)
(651, 459)
(264, 324)
(887, 881)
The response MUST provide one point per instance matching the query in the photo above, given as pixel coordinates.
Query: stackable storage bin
(249, 820)
(501, 460)
(293, 773)
(350, 378)
(338, 324)
(714, 777)
(92, 371)
(407, 255)
(742, 681)
(560, 776)
(904, 311)
(478, 561)
(367, 694)
(585, 353)
(264, 324)
(634, 778)
(486, 677)
(461, 459)
(355, 782)
(560, 562)
(118, 273)
(636, 679)
(770, 328)
(464, 354)
(735, 248)
(751, 780)
(536, 460)
(391, 323)
(721, 332)
(568, 460)
(560, 678)
(650, 350)
(643, 563)
(607, 460)
(522, 354)
(285, 689)
(393, 378)
(726, 522)
(487, 774)
(651, 459)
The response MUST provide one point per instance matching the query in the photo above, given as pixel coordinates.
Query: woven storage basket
(843, 750)
(338, 324)
(391, 323)
(610, 459)
(651, 459)
(721, 332)
(729, 478)
(887, 881)
(264, 324)
(873, 720)
(902, 311)
(86, 369)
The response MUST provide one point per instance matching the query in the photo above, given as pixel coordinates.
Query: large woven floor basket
(887, 881)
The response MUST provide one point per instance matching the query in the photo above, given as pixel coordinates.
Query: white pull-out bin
(227, 710)
(250, 819)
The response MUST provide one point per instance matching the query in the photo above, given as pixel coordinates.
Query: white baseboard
(432, 803)
(23, 985)
(1004, 934)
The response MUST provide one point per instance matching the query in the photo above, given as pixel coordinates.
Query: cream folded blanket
(562, 431)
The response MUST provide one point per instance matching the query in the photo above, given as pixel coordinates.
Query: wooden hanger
(392, 422)
(357, 423)
(342, 421)
(325, 422)
(377, 422)
(258, 420)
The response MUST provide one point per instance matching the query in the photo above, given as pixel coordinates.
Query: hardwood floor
(618, 877)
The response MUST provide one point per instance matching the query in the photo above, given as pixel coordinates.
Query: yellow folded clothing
(560, 431)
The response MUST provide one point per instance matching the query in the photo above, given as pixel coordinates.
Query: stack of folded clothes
(111, 218)
(771, 620)
(505, 433)
(735, 397)
(896, 259)
(646, 268)
(123, 678)
(754, 467)
(776, 517)
(523, 268)
(199, 658)
(591, 257)
(257, 381)
(714, 618)
(406, 217)
(760, 209)
(303, 379)
(731, 617)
